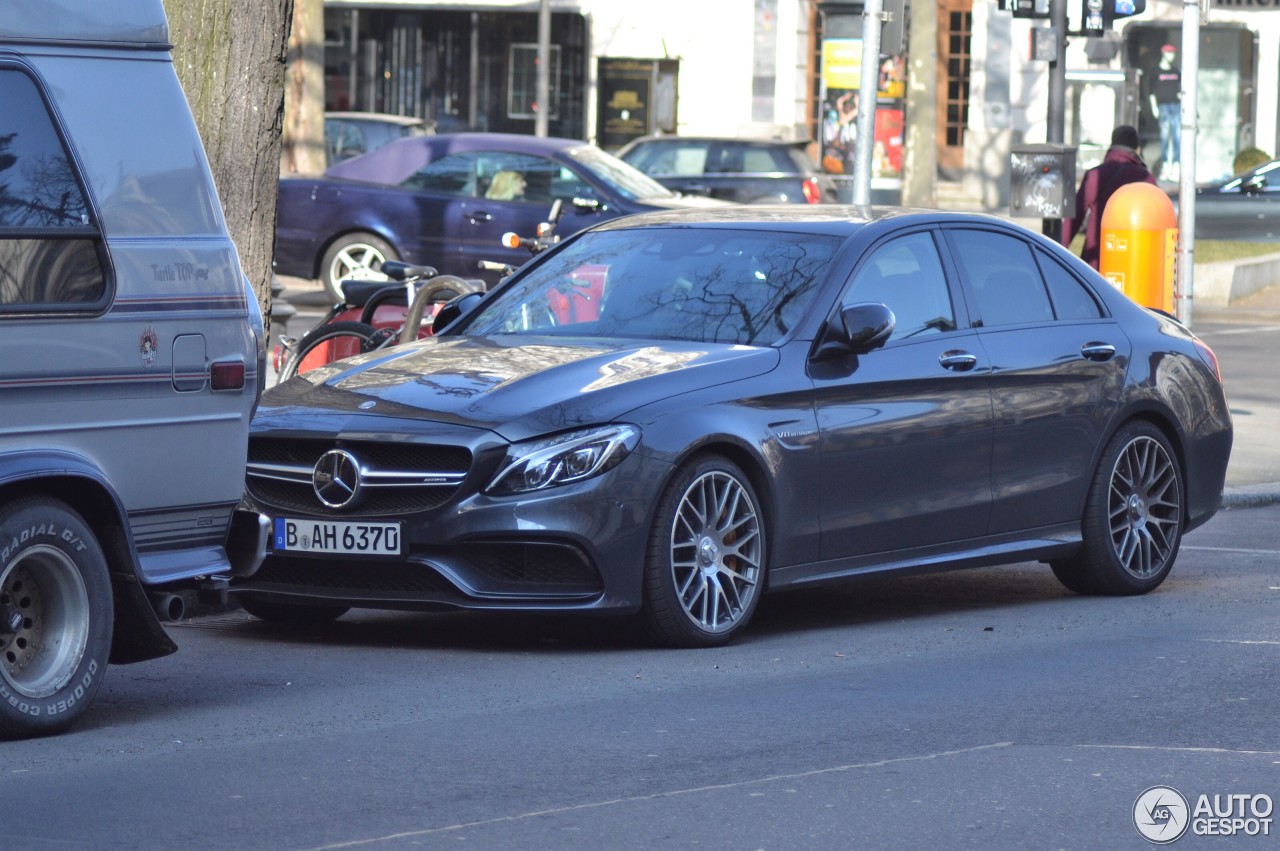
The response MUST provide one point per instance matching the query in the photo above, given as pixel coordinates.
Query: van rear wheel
(56, 617)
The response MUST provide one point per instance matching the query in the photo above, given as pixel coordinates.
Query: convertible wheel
(55, 617)
(705, 566)
(355, 256)
(1133, 517)
(289, 614)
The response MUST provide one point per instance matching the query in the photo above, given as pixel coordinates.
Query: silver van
(131, 351)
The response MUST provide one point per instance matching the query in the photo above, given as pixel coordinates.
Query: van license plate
(330, 536)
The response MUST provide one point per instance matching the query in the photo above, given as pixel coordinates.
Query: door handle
(958, 360)
(1098, 351)
(478, 216)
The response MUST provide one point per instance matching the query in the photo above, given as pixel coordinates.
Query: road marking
(1239, 641)
(1179, 750)
(656, 795)
(1234, 550)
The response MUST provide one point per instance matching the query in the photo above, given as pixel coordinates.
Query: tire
(55, 599)
(290, 615)
(356, 256)
(327, 344)
(706, 560)
(1133, 517)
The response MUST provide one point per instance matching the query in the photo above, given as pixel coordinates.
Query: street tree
(229, 56)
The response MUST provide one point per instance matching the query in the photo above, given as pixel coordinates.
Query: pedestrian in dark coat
(1121, 165)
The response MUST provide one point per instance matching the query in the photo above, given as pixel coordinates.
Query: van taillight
(227, 375)
(812, 193)
(1209, 358)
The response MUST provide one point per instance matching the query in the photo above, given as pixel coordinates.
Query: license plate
(333, 536)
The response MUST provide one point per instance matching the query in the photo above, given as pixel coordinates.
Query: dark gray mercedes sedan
(671, 414)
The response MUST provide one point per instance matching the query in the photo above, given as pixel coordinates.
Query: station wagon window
(49, 251)
(906, 275)
(1003, 276)
(1071, 299)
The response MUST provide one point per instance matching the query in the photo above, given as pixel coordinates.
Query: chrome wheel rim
(716, 552)
(43, 587)
(358, 262)
(1144, 508)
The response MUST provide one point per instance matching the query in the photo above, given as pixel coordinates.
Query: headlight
(538, 464)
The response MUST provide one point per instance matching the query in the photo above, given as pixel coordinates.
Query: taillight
(1209, 358)
(812, 193)
(227, 375)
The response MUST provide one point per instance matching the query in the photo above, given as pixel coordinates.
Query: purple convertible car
(446, 200)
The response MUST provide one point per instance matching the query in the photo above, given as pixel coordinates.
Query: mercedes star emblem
(336, 478)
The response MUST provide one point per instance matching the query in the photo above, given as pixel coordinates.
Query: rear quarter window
(50, 253)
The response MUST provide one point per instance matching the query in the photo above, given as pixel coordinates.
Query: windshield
(627, 180)
(748, 287)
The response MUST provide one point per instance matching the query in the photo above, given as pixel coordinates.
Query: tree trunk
(304, 151)
(229, 56)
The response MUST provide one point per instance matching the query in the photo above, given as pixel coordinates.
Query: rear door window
(51, 254)
(1002, 276)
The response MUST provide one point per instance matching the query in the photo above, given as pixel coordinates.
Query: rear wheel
(329, 343)
(354, 256)
(289, 614)
(55, 617)
(1133, 517)
(705, 566)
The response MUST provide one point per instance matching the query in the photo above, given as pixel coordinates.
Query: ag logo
(1161, 815)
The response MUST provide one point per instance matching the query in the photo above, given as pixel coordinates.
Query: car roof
(835, 219)
(138, 22)
(395, 161)
(375, 118)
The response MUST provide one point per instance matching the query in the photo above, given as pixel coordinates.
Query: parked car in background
(1244, 207)
(350, 134)
(446, 200)
(672, 413)
(744, 171)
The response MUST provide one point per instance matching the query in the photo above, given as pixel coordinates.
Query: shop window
(522, 82)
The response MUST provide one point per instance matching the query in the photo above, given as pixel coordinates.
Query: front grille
(524, 567)
(402, 478)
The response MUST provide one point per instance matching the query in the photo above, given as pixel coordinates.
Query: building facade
(788, 69)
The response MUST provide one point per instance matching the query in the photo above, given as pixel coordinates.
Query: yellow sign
(842, 63)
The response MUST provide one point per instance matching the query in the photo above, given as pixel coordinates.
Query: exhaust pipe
(168, 607)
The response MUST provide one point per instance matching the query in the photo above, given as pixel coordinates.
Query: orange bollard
(1140, 244)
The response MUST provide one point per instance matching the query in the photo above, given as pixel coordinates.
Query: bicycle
(388, 315)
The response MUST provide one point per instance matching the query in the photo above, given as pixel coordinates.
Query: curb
(1251, 496)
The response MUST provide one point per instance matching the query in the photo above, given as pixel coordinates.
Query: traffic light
(1098, 16)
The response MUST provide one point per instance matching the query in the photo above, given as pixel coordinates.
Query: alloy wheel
(1144, 507)
(45, 603)
(716, 552)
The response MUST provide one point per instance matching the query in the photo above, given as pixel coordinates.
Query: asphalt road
(979, 709)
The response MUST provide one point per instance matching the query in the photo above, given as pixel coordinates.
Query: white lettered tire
(56, 616)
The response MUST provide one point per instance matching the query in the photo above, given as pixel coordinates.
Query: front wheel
(354, 256)
(1133, 517)
(56, 617)
(706, 560)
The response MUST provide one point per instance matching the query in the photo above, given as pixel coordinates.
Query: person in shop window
(1122, 164)
(1165, 102)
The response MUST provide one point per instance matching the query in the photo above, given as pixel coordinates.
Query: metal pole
(868, 88)
(543, 92)
(1055, 121)
(1184, 291)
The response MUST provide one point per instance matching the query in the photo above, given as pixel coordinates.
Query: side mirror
(867, 326)
(1254, 185)
(454, 309)
(858, 329)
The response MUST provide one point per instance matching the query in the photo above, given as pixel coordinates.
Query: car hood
(518, 387)
(679, 202)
